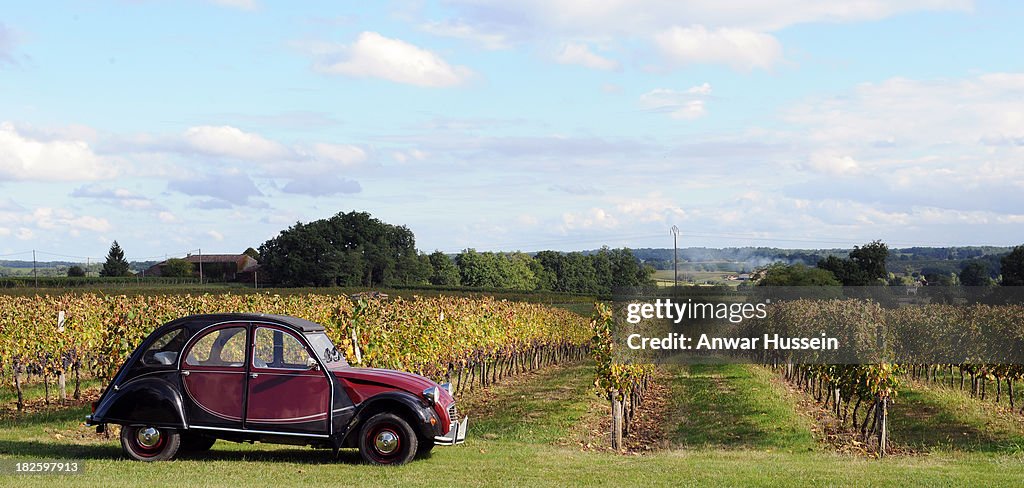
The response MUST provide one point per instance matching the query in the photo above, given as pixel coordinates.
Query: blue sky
(537, 124)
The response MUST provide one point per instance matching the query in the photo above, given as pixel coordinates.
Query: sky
(174, 126)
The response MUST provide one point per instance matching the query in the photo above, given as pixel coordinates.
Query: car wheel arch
(402, 404)
(150, 401)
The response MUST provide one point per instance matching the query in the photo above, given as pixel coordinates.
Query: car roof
(202, 320)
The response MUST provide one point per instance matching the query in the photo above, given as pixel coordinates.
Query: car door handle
(185, 373)
(254, 375)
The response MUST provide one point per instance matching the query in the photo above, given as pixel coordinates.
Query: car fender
(149, 400)
(405, 403)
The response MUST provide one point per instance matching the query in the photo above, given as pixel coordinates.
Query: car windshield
(325, 350)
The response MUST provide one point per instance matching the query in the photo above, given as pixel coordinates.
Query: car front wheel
(147, 443)
(387, 439)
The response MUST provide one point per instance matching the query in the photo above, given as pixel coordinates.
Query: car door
(287, 389)
(213, 376)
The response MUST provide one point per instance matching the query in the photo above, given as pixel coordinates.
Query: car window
(329, 354)
(274, 348)
(221, 347)
(165, 349)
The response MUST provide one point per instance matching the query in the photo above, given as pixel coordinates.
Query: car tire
(426, 445)
(387, 439)
(191, 442)
(147, 443)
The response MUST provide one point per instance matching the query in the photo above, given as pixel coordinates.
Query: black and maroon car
(268, 378)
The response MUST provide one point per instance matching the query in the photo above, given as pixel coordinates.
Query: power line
(15, 254)
(65, 255)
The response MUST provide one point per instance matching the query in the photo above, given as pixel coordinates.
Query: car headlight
(431, 394)
(447, 387)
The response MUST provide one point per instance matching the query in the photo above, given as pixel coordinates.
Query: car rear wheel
(387, 439)
(147, 443)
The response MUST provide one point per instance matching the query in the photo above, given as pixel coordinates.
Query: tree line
(355, 249)
(866, 265)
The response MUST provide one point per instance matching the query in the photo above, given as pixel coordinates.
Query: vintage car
(268, 378)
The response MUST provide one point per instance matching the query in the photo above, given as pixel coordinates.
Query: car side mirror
(312, 364)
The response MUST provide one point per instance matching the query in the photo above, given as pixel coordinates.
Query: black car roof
(202, 320)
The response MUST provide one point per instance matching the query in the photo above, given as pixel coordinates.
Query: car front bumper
(456, 435)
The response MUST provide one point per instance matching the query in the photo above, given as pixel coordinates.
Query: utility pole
(675, 253)
(200, 266)
(34, 275)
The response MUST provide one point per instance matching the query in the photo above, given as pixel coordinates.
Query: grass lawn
(937, 418)
(513, 441)
(735, 406)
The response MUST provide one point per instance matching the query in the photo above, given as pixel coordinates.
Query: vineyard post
(17, 383)
(62, 377)
(884, 432)
(616, 419)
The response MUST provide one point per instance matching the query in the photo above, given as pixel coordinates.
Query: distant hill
(745, 259)
(58, 268)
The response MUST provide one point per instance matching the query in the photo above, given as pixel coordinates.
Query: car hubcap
(148, 437)
(386, 442)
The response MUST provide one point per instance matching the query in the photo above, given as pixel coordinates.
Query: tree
(845, 270)
(115, 265)
(518, 274)
(344, 250)
(871, 259)
(938, 277)
(76, 271)
(865, 266)
(1012, 266)
(975, 273)
(797, 275)
(177, 268)
(479, 270)
(443, 272)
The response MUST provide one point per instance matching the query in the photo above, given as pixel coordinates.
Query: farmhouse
(216, 267)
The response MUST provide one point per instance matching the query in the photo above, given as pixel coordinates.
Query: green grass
(735, 406)
(932, 418)
(510, 444)
(543, 414)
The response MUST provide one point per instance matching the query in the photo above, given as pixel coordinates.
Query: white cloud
(59, 218)
(226, 188)
(639, 17)
(376, 56)
(739, 48)
(24, 234)
(986, 110)
(595, 218)
(578, 53)
(217, 236)
(168, 217)
(410, 155)
(23, 157)
(456, 29)
(115, 196)
(652, 208)
(231, 142)
(832, 163)
(345, 155)
(238, 4)
(685, 105)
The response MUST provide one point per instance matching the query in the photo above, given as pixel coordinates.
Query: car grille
(453, 414)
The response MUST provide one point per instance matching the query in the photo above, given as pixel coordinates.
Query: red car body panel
(364, 383)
